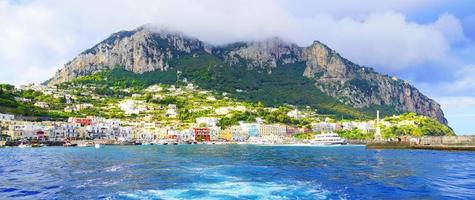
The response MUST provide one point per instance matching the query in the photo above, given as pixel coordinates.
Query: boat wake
(237, 190)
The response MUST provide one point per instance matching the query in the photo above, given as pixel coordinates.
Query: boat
(67, 143)
(22, 145)
(328, 139)
(84, 145)
(97, 146)
(35, 143)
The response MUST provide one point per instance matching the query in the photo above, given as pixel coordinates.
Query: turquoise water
(234, 172)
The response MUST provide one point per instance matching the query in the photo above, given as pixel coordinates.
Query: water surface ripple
(234, 172)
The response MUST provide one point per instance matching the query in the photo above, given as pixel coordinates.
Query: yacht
(328, 139)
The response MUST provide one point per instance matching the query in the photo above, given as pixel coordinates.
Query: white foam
(237, 189)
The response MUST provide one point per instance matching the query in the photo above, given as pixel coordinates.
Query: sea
(234, 172)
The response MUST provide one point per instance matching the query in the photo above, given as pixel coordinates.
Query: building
(81, 121)
(294, 114)
(207, 121)
(186, 135)
(272, 129)
(131, 107)
(202, 134)
(41, 104)
(225, 135)
(324, 127)
(239, 134)
(273, 133)
(154, 88)
(215, 133)
(290, 131)
(171, 113)
(251, 129)
(6, 117)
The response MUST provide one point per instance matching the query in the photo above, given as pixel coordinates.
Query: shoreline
(370, 145)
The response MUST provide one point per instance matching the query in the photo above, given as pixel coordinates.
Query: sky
(429, 43)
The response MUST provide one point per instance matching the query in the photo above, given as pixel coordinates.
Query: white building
(207, 121)
(6, 117)
(294, 114)
(84, 106)
(41, 104)
(132, 107)
(324, 127)
(154, 88)
(171, 113)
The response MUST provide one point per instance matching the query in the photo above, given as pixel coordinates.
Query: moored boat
(84, 145)
(23, 145)
(328, 139)
(67, 143)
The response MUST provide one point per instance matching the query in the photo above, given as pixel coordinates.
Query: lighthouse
(377, 134)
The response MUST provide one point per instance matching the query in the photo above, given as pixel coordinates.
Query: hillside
(273, 71)
(120, 94)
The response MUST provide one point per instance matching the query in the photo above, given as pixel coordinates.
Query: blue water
(234, 172)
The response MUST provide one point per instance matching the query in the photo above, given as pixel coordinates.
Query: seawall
(449, 143)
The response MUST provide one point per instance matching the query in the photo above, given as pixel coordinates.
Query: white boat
(23, 145)
(84, 145)
(97, 146)
(328, 139)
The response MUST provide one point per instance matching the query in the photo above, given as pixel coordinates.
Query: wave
(238, 190)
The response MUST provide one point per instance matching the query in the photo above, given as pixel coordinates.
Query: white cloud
(460, 112)
(31, 42)
(463, 84)
(456, 102)
(387, 41)
(45, 34)
(450, 27)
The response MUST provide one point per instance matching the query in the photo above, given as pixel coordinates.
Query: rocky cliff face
(362, 87)
(138, 51)
(143, 50)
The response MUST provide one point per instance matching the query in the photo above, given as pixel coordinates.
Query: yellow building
(226, 135)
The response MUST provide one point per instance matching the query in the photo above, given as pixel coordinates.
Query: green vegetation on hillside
(355, 134)
(414, 125)
(9, 102)
(285, 85)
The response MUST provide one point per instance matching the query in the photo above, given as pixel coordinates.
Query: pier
(449, 143)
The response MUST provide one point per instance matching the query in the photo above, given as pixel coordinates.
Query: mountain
(272, 71)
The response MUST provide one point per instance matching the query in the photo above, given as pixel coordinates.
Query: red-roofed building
(83, 121)
(202, 134)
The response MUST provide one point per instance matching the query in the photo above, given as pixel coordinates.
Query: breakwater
(450, 143)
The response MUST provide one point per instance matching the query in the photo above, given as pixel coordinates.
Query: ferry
(328, 139)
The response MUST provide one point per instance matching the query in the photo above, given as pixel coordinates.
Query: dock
(446, 143)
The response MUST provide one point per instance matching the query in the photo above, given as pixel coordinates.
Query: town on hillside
(186, 114)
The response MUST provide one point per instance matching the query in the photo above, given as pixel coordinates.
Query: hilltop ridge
(272, 70)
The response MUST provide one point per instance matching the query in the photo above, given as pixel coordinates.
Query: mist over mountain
(273, 71)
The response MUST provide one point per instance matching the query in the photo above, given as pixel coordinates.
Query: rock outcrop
(143, 50)
(362, 87)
